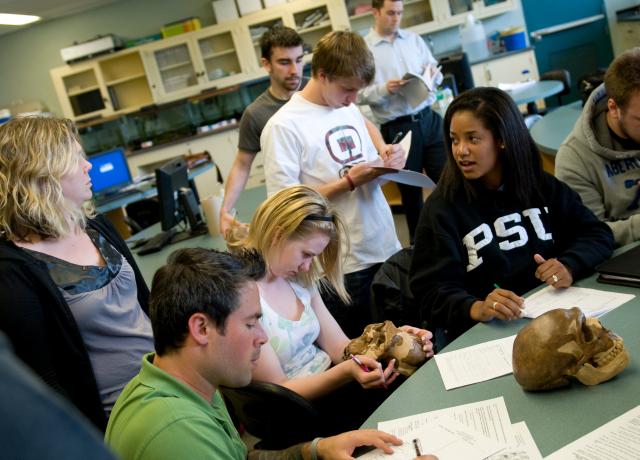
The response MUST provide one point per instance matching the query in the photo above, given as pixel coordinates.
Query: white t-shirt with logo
(306, 143)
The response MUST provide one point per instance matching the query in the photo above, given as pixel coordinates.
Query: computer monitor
(178, 200)
(109, 172)
(457, 64)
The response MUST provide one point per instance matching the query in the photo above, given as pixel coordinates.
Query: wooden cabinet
(111, 85)
(423, 16)
(454, 12)
(227, 54)
(186, 64)
(126, 81)
(419, 15)
(310, 18)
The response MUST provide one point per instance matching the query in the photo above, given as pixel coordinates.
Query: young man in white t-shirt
(319, 138)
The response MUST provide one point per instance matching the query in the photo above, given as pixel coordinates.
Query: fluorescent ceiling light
(17, 19)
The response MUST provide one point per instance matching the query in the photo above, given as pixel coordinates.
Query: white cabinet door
(509, 69)
(173, 68)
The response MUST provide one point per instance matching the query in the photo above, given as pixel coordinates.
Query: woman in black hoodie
(496, 226)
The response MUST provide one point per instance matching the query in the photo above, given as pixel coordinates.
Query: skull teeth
(606, 357)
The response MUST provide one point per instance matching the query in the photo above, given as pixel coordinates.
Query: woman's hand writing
(376, 376)
(500, 303)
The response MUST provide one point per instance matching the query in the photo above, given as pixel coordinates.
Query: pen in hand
(416, 446)
(366, 369)
(397, 137)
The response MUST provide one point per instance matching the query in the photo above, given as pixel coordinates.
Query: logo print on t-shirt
(344, 144)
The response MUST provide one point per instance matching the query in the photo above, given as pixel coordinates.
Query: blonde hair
(295, 213)
(35, 153)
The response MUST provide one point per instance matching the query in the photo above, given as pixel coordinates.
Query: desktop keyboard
(157, 242)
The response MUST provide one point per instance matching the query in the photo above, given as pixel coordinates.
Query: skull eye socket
(588, 332)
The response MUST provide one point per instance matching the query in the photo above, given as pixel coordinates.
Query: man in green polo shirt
(205, 312)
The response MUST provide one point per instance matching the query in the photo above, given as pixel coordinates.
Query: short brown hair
(343, 54)
(378, 4)
(623, 77)
(278, 37)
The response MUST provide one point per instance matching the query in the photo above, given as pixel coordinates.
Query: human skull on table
(384, 342)
(562, 344)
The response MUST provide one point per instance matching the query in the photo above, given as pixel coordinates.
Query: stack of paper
(470, 431)
(619, 439)
(592, 302)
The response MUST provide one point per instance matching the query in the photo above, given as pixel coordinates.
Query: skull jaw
(607, 365)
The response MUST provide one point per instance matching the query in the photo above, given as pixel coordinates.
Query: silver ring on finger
(494, 305)
(555, 278)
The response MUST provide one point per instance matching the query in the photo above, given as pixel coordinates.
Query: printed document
(445, 438)
(523, 448)
(617, 440)
(478, 363)
(592, 302)
(489, 417)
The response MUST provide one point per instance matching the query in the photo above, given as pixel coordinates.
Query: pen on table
(397, 137)
(365, 368)
(416, 446)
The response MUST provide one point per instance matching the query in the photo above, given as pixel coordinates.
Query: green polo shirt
(158, 417)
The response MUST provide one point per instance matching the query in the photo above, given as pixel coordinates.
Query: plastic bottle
(474, 40)
(447, 97)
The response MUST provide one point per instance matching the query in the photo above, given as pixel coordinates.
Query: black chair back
(561, 75)
(278, 416)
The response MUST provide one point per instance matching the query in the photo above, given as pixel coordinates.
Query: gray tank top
(104, 303)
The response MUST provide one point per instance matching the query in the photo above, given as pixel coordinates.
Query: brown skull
(383, 342)
(561, 344)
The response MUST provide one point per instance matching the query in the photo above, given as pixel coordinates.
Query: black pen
(397, 137)
(416, 446)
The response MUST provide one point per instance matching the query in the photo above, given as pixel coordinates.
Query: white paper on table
(523, 448)
(405, 176)
(592, 302)
(445, 438)
(490, 417)
(477, 363)
(617, 440)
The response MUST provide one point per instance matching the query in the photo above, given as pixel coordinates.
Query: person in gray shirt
(601, 157)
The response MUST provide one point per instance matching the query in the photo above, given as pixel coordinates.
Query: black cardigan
(41, 328)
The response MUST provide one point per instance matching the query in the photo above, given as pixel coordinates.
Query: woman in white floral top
(302, 240)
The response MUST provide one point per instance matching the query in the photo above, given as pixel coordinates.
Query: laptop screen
(109, 172)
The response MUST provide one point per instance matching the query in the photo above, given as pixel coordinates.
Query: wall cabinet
(114, 84)
(310, 18)
(227, 54)
(423, 16)
(186, 64)
(419, 15)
